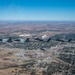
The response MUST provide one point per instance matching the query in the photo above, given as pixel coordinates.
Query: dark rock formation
(18, 40)
(60, 40)
(9, 40)
(27, 40)
(39, 39)
(69, 40)
(0, 39)
(49, 40)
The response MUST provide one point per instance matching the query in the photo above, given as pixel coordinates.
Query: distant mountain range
(58, 37)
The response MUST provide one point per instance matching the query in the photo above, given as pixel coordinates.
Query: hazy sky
(49, 10)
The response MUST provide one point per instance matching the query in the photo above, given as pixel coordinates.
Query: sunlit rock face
(22, 40)
(24, 35)
(46, 38)
(4, 40)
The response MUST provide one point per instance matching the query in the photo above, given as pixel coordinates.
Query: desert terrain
(37, 48)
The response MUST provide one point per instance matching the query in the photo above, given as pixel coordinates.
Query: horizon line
(37, 20)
